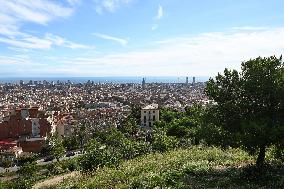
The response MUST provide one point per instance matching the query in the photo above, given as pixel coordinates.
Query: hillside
(197, 167)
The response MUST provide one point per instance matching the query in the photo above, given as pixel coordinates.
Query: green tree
(55, 147)
(98, 155)
(249, 104)
(71, 143)
(29, 169)
(6, 163)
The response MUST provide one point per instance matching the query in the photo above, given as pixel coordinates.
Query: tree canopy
(249, 104)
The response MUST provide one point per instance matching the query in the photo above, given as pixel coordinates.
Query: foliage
(249, 105)
(22, 160)
(278, 152)
(183, 126)
(54, 169)
(70, 165)
(98, 155)
(197, 167)
(28, 169)
(22, 183)
(160, 142)
(55, 147)
(71, 143)
(6, 163)
(129, 126)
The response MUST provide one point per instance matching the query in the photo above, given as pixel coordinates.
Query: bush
(98, 155)
(161, 142)
(55, 169)
(26, 159)
(70, 165)
(28, 169)
(278, 152)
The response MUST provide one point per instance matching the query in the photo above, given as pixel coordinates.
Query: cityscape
(105, 94)
(33, 111)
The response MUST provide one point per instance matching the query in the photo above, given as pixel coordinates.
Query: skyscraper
(143, 83)
(21, 82)
(186, 80)
(193, 80)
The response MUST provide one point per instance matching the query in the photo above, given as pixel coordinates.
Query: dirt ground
(55, 180)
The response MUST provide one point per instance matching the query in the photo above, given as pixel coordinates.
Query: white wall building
(149, 115)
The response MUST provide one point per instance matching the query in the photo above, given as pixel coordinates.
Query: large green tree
(249, 104)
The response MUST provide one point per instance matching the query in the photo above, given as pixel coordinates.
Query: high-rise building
(21, 82)
(186, 80)
(45, 82)
(143, 83)
(193, 80)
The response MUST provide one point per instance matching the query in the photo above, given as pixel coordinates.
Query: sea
(130, 79)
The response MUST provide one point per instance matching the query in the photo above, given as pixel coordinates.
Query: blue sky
(136, 37)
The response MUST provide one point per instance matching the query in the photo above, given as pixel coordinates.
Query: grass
(15, 180)
(197, 167)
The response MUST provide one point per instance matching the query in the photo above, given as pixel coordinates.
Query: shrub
(28, 169)
(161, 142)
(98, 155)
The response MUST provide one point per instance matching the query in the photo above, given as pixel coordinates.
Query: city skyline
(85, 38)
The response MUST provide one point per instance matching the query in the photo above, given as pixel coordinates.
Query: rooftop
(151, 107)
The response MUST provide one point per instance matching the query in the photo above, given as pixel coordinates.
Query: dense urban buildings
(31, 112)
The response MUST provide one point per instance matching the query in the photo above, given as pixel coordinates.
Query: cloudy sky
(136, 37)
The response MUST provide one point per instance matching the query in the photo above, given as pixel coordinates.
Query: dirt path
(55, 180)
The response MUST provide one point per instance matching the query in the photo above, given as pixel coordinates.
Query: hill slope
(197, 167)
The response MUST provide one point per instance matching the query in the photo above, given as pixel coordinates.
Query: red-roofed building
(27, 124)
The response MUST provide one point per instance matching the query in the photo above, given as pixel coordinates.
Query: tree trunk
(261, 157)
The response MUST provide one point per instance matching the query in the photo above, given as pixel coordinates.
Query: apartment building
(149, 115)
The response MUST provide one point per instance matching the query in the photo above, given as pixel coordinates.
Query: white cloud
(26, 41)
(200, 55)
(160, 13)
(155, 26)
(109, 5)
(59, 41)
(112, 38)
(38, 11)
(74, 2)
(14, 13)
(158, 17)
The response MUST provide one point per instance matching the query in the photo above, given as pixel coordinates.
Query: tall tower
(186, 80)
(21, 82)
(143, 83)
(193, 80)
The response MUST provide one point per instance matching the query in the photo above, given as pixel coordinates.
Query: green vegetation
(30, 173)
(234, 142)
(250, 105)
(196, 167)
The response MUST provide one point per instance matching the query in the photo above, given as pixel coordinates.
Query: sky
(93, 38)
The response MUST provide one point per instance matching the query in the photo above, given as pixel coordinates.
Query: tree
(71, 143)
(249, 104)
(98, 155)
(29, 169)
(55, 147)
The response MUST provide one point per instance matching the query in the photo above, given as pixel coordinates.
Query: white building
(149, 115)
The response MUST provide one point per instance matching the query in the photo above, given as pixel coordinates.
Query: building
(29, 127)
(149, 115)
(143, 83)
(193, 80)
(186, 80)
(21, 82)
(65, 126)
